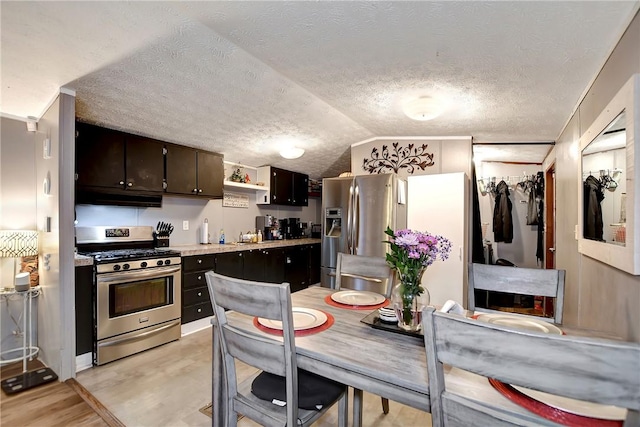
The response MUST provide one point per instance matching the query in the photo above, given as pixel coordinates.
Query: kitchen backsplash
(176, 210)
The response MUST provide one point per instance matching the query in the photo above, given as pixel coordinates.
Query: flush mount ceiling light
(423, 108)
(292, 152)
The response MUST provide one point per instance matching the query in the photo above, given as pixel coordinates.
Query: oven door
(132, 300)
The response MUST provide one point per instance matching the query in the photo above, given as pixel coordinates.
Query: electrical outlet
(185, 225)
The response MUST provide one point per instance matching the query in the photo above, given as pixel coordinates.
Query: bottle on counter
(221, 241)
(259, 236)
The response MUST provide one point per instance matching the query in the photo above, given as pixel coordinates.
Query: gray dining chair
(520, 281)
(365, 273)
(600, 371)
(275, 358)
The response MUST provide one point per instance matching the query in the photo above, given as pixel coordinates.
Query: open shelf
(232, 184)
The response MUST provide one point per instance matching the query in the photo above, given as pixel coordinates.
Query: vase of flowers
(410, 255)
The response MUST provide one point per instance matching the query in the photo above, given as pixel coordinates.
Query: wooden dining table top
(384, 363)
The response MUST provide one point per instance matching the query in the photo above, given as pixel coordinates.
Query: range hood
(102, 197)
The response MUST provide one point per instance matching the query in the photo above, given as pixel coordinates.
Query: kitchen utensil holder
(161, 241)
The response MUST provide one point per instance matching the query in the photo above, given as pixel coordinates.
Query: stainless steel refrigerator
(356, 211)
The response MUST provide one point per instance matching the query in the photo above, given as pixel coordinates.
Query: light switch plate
(185, 225)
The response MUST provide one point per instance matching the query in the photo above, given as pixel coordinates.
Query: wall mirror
(608, 183)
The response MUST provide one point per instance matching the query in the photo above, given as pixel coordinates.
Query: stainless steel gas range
(136, 295)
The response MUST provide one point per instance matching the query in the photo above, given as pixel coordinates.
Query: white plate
(303, 318)
(578, 407)
(358, 298)
(520, 322)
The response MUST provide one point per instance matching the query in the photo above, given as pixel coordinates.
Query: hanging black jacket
(592, 220)
(502, 221)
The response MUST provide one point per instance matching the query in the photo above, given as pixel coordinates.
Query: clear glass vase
(408, 305)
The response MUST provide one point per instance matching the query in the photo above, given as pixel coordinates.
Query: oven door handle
(139, 336)
(124, 276)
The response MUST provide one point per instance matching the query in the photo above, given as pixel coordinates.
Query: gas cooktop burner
(121, 254)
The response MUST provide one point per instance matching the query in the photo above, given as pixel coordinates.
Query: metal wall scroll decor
(410, 158)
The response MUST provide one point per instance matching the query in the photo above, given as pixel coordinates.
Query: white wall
(175, 210)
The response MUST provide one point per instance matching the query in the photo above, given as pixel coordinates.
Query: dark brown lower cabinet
(298, 265)
(84, 309)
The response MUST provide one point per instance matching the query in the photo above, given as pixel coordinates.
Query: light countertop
(216, 248)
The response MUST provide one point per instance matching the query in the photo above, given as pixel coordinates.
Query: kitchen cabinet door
(180, 173)
(84, 309)
(300, 192)
(281, 186)
(210, 171)
(274, 260)
(100, 157)
(253, 268)
(144, 165)
(230, 264)
(296, 270)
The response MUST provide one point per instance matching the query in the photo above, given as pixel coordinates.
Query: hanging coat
(502, 221)
(592, 209)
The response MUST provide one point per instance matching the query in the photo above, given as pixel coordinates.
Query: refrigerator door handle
(349, 218)
(356, 215)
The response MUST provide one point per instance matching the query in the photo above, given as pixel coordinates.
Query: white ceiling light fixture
(292, 152)
(423, 108)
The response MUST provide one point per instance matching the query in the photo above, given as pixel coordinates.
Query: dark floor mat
(28, 380)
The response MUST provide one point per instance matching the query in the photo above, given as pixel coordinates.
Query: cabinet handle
(199, 310)
(195, 190)
(130, 184)
(199, 261)
(199, 277)
(200, 190)
(121, 183)
(199, 294)
(239, 254)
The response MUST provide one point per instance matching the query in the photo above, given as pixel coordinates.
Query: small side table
(29, 350)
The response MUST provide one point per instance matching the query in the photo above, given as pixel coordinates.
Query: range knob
(116, 267)
(159, 262)
(143, 264)
(125, 266)
(167, 261)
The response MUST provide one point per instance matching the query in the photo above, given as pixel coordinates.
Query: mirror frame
(626, 258)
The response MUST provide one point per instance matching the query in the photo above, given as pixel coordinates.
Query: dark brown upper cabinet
(193, 172)
(109, 159)
(286, 187)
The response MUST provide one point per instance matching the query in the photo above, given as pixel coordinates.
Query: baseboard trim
(195, 326)
(84, 361)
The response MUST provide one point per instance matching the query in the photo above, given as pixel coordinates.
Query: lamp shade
(423, 108)
(18, 243)
(292, 152)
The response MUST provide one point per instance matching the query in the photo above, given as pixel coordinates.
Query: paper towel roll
(204, 230)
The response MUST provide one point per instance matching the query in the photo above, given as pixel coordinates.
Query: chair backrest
(364, 273)
(594, 370)
(267, 300)
(522, 281)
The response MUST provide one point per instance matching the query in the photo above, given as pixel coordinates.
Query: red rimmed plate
(559, 415)
(300, 332)
(333, 303)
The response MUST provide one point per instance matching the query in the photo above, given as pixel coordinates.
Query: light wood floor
(167, 386)
(51, 404)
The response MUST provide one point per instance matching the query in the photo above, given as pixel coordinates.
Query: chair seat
(277, 414)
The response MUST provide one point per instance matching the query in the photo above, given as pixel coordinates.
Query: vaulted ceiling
(242, 78)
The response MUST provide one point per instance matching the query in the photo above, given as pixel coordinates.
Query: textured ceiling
(241, 78)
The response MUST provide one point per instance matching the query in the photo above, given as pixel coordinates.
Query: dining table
(384, 363)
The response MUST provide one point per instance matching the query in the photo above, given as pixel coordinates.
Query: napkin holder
(452, 307)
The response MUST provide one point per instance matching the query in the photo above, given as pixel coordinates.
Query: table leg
(357, 408)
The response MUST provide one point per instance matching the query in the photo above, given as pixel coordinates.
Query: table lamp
(17, 244)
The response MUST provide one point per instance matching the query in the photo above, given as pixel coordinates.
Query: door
(438, 204)
(100, 156)
(180, 171)
(373, 210)
(550, 217)
(210, 174)
(144, 164)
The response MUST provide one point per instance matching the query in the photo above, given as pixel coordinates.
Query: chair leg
(385, 405)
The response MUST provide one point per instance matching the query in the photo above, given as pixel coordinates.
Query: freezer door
(336, 200)
(374, 210)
